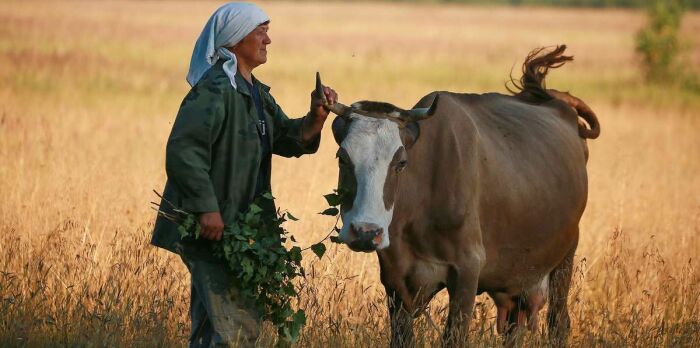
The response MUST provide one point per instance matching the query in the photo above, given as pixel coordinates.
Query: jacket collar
(242, 85)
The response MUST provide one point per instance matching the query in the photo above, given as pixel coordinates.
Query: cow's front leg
(461, 286)
(401, 321)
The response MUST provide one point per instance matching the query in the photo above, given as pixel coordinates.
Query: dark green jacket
(214, 153)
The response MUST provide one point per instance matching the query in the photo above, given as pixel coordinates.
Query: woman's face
(252, 50)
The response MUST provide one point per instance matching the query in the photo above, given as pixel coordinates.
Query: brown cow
(473, 193)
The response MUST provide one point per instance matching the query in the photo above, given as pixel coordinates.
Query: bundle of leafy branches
(253, 248)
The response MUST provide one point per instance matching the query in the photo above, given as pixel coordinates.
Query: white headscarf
(226, 27)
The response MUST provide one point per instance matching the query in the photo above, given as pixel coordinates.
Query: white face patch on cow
(371, 144)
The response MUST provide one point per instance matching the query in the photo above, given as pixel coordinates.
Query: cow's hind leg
(558, 314)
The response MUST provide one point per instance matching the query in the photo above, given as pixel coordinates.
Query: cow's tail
(531, 87)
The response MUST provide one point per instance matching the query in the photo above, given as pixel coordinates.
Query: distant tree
(658, 41)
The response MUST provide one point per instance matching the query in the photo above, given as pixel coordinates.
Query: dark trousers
(220, 317)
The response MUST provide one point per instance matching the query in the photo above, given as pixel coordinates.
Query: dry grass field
(89, 90)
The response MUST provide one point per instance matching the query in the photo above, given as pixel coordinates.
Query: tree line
(690, 4)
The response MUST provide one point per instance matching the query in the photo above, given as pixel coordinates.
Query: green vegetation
(660, 45)
(253, 248)
(658, 42)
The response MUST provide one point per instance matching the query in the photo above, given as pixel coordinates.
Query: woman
(218, 159)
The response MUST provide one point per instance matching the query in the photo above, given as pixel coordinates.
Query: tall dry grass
(89, 90)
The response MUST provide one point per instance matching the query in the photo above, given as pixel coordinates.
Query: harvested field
(89, 91)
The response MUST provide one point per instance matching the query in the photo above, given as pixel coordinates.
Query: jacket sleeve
(288, 136)
(189, 150)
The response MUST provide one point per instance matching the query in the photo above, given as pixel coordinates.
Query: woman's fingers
(331, 95)
(212, 226)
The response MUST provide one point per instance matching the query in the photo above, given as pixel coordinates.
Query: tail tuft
(531, 87)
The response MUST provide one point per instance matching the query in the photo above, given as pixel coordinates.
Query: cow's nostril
(377, 239)
(365, 236)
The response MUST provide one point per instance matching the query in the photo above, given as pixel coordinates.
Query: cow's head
(374, 138)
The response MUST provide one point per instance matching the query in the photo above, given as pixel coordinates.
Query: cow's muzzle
(365, 237)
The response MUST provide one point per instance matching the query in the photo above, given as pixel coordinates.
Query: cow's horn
(337, 108)
(419, 114)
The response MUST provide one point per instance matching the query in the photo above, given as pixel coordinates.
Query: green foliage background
(658, 42)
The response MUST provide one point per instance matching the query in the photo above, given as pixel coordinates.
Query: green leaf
(267, 195)
(333, 199)
(293, 239)
(246, 232)
(319, 249)
(247, 265)
(291, 217)
(183, 231)
(299, 318)
(335, 239)
(287, 334)
(289, 290)
(330, 212)
(232, 229)
(255, 209)
(197, 231)
(295, 254)
(252, 219)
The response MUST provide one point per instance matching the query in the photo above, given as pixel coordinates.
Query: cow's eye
(401, 165)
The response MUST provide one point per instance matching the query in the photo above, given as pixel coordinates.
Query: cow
(469, 192)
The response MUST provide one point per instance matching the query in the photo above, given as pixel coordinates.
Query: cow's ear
(340, 129)
(409, 134)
